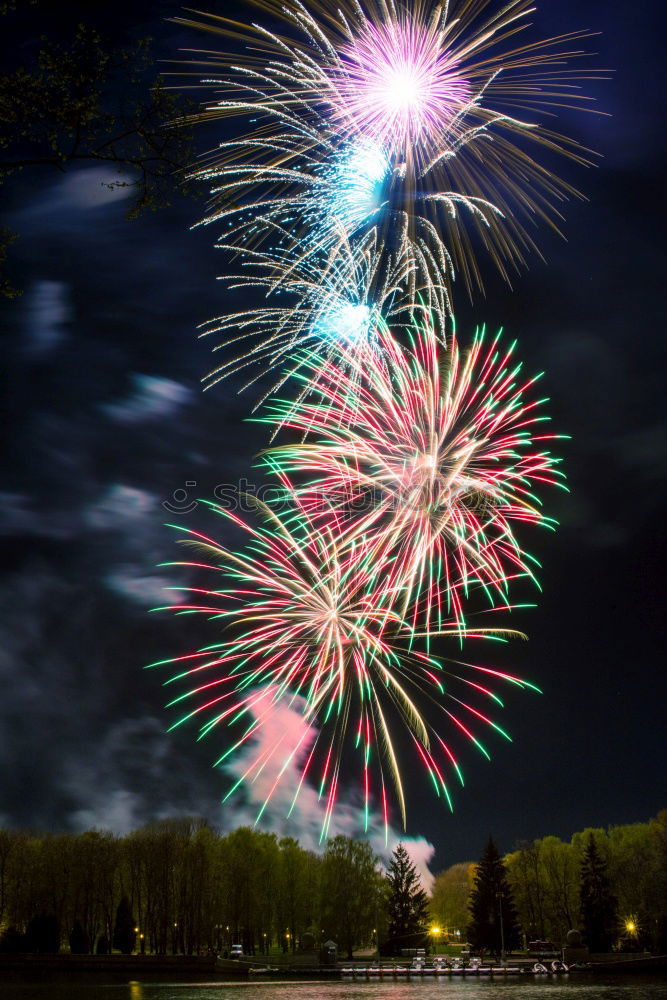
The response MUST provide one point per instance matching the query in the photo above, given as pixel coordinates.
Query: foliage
(493, 914)
(351, 892)
(545, 878)
(407, 902)
(78, 100)
(7, 288)
(450, 897)
(296, 897)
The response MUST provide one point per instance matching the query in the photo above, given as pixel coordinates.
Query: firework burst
(310, 624)
(399, 83)
(432, 456)
(445, 105)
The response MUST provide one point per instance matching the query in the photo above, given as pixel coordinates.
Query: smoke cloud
(271, 769)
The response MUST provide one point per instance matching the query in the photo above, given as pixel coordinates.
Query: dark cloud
(152, 398)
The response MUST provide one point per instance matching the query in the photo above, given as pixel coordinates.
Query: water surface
(573, 988)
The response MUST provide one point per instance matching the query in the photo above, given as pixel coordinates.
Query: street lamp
(499, 897)
(434, 932)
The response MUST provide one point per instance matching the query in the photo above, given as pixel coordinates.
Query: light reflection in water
(572, 988)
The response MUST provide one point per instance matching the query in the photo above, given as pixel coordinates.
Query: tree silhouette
(78, 940)
(78, 100)
(124, 934)
(407, 903)
(493, 914)
(43, 934)
(13, 942)
(598, 903)
(102, 946)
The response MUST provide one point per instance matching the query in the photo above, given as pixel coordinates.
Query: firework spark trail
(433, 455)
(342, 299)
(313, 625)
(338, 217)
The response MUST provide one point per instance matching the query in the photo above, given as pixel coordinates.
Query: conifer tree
(124, 934)
(78, 940)
(598, 903)
(407, 903)
(493, 914)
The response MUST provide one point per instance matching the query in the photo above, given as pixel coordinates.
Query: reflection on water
(579, 988)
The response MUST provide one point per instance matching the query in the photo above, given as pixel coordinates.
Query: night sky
(105, 420)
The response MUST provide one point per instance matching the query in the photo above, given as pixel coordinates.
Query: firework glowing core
(357, 183)
(399, 84)
(346, 322)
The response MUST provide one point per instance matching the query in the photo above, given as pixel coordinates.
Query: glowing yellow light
(631, 927)
(435, 930)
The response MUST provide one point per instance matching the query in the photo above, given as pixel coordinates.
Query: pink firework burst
(309, 629)
(433, 455)
(398, 81)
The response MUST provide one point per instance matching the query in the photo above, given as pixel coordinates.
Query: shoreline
(120, 969)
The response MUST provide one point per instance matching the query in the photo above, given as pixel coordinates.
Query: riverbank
(107, 968)
(120, 969)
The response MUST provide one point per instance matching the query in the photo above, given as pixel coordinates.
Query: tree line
(609, 884)
(178, 886)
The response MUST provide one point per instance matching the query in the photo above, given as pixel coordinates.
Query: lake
(579, 988)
